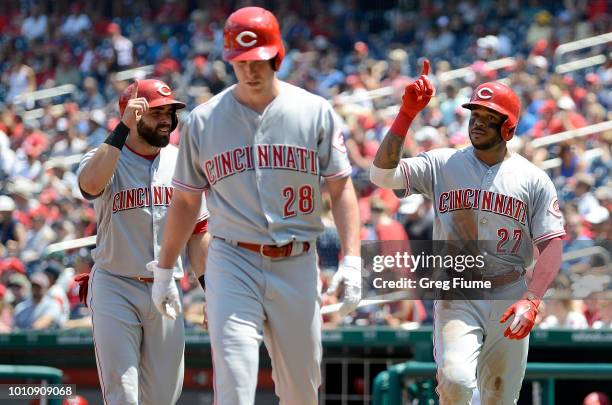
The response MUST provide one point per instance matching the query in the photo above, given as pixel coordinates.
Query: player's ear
(174, 117)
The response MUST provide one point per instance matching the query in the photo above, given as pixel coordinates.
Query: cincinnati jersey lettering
(276, 156)
(141, 197)
(483, 200)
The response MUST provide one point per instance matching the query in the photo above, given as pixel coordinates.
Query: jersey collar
(148, 157)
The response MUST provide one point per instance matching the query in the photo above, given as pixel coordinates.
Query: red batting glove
(83, 280)
(525, 311)
(415, 98)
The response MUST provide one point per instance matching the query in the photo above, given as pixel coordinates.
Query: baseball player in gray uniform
(481, 193)
(260, 148)
(139, 353)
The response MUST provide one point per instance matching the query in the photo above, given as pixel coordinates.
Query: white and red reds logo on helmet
(485, 93)
(243, 38)
(163, 89)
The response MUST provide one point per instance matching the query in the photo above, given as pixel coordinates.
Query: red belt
(144, 279)
(272, 251)
(502, 279)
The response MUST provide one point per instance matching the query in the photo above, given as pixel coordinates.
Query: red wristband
(401, 124)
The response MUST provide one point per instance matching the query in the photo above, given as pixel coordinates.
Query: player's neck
(494, 155)
(257, 100)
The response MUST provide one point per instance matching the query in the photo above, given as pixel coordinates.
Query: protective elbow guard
(387, 178)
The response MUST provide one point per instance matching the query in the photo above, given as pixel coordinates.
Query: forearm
(197, 251)
(547, 267)
(385, 172)
(390, 152)
(357, 159)
(100, 168)
(181, 219)
(98, 171)
(346, 215)
(43, 322)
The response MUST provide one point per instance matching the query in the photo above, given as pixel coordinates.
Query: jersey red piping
(148, 157)
(187, 186)
(549, 235)
(343, 173)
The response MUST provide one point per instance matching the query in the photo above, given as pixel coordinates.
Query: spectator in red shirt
(389, 231)
(558, 117)
(386, 227)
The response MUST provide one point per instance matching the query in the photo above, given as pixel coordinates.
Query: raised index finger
(134, 92)
(425, 70)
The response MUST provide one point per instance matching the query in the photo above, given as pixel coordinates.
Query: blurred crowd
(63, 64)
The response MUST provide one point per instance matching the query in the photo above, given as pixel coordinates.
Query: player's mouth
(478, 132)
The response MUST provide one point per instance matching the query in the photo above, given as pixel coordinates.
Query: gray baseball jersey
(139, 353)
(513, 204)
(131, 212)
(263, 173)
(263, 170)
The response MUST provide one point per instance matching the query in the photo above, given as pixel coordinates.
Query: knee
(121, 395)
(121, 388)
(455, 386)
(302, 395)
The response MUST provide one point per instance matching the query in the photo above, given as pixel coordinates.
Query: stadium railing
(564, 49)
(139, 72)
(43, 374)
(589, 156)
(571, 134)
(390, 386)
(30, 98)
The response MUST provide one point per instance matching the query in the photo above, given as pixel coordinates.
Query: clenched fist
(136, 107)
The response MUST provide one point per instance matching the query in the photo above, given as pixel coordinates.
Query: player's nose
(250, 68)
(479, 123)
(164, 120)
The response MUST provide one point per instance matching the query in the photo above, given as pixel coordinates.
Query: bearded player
(484, 193)
(139, 353)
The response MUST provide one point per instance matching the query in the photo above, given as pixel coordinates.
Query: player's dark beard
(489, 144)
(493, 142)
(152, 135)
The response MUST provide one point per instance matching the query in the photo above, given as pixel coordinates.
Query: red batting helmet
(500, 98)
(253, 33)
(156, 92)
